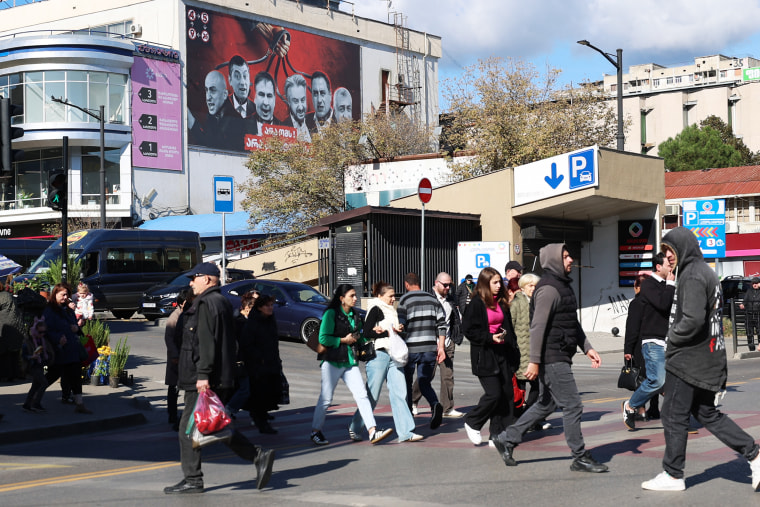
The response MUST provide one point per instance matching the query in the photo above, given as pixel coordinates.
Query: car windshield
(51, 254)
(182, 279)
(302, 294)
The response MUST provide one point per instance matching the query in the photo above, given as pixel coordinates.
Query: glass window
(76, 75)
(116, 103)
(33, 77)
(91, 175)
(98, 77)
(55, 75)
(77, 94)
(55, 111)
(34, 103)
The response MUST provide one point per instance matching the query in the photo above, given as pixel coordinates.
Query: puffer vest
(562, 335)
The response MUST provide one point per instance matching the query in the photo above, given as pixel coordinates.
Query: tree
(294, 184)
(728, 137)
(696, 148)
(508, 114)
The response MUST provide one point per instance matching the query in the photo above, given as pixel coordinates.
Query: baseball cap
(204, 268)
(468, 277)
(513, 265)
(755, 280)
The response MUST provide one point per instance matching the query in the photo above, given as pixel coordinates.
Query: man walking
(695, 364)
(657, 297)
(206, 360)
(425, 324)
(751, 305)
(442, 292)
(555, 335)
(464, 292)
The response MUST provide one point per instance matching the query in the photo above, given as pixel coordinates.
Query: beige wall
(297, 262)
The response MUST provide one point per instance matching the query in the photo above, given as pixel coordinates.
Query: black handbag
(629, 376)
(365, 351)
(337, 354)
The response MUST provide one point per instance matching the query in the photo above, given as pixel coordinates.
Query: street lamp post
(618, 64)
(102, 119)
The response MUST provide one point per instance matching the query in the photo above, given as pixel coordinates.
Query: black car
(161, 300)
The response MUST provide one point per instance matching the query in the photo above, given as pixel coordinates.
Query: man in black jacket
(555, 335)
(206, 360)
(696, 364)
(751, 305)
(657, 297)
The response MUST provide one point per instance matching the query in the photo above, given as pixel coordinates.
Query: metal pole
(422, 250)
(620, 135)
(65, 213)
(102, 167)
(224, 249)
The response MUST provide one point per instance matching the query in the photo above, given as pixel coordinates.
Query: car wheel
(307, 327)
(123, 314)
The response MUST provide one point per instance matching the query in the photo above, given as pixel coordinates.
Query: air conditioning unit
(673, 209)
(135, 29)
(732, 226)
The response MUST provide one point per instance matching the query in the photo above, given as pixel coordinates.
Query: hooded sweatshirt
(555, 333)
(696, 350)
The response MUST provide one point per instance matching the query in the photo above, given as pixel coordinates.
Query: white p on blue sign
(223, 194)
(556, 175)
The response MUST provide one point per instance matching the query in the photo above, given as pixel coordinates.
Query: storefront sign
(636, 249)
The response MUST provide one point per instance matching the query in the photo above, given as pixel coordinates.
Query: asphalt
(143, 402)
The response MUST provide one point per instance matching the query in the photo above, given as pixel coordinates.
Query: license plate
(149, 305)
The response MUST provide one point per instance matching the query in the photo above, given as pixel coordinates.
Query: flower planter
(113, 381)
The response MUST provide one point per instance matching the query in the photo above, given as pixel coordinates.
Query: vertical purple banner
(156, 114)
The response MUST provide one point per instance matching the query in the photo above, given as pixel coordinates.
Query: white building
(152, 76)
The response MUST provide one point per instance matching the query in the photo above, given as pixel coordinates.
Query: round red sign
(425, 190)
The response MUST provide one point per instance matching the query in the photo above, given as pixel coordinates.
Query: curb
(77, 428)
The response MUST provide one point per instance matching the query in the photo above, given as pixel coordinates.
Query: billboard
(473, 256)
(248, 80)
(156, 114)
(707, 220)
(636, 249)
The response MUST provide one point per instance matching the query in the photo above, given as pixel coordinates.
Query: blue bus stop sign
(223, 196)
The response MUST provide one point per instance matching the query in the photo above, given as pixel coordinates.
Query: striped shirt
(424, 321)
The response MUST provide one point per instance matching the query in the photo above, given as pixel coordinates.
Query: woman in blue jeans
(381, 318)
(341, 327)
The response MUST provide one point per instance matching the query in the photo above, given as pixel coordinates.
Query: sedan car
(298, 307)
(161, 300)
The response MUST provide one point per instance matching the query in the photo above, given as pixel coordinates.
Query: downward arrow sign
(554, 180)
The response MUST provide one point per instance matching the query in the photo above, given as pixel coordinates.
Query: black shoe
(183, 487)
(263, 463)
(587, 463)
(629, 417)
(39, 408)
(435, 421)
(266, 428)
(653, 414)
(505, 450)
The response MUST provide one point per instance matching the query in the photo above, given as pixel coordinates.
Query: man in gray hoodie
(555, 335)
(695, 364)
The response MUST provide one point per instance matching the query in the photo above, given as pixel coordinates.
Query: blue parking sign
(581, 166)
(483, 260)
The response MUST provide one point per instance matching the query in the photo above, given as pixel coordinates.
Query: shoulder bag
(629, 376)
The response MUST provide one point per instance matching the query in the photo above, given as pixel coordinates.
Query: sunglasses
(445, 284)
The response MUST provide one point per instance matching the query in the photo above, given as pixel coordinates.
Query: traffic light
(7, 133)
(57, 194)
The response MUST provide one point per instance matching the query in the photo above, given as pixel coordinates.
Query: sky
(545, 32)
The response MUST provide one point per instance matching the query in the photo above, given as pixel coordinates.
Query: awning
(8, 267)
(207, 226)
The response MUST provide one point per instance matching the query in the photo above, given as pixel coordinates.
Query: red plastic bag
(89, 346)
(519, 393)
(209, 414)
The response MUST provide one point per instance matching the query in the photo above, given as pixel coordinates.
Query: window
(656, 82)
(27, 186)
(669, 81)
(91, 175)
(678, 79)
(722, 73)
(135, 260)
(178, 260)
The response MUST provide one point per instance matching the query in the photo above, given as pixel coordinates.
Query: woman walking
(380, 321)
(340, 329)
(493, 354)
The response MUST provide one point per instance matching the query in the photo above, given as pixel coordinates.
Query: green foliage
(293, 185)
(53, 275)
(99, 331)
(696, 148)
(728, 137)
(119, 355)
(509, 114)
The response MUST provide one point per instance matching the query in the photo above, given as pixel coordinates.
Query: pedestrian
(381, 320)
(37, 353)
(493, 354)
(173, 341)
(695, 364)
(464, 292)
(340, 328)
(206, 361)
(632, 343)
(425, 325)
(83, 306)
(656, 295)
(263, 362)
(555, 335)
(751, 305)
(63, 337)
(512, 269)
(243, 365)
(442, 292)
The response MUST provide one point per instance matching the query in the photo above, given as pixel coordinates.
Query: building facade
(177, 81)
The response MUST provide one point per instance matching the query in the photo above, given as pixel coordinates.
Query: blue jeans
(654, 360)
(352, 377)
(241, 395)
(557, 388)
(378, 371)
(424, 363)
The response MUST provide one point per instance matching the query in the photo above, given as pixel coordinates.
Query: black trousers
(70, 375)
(496, 404)
(191, 458)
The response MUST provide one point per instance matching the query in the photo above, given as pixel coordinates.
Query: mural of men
(342, 102)
(222, 128)
(240, 81)
(264, 100)
(295, 94)
(321, 97)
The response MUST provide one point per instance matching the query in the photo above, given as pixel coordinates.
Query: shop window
(27, 186)
(91, 175)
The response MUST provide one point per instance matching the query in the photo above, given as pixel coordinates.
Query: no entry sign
(425, 190)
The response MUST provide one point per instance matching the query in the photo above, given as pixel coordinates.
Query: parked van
(120, 264)
(24, 251)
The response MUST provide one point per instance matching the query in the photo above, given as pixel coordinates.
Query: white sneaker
(664, 482)
(453, 413)
(491, 444)
(755, 466)
(414, 438)
(474, 435)
(414, 409)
